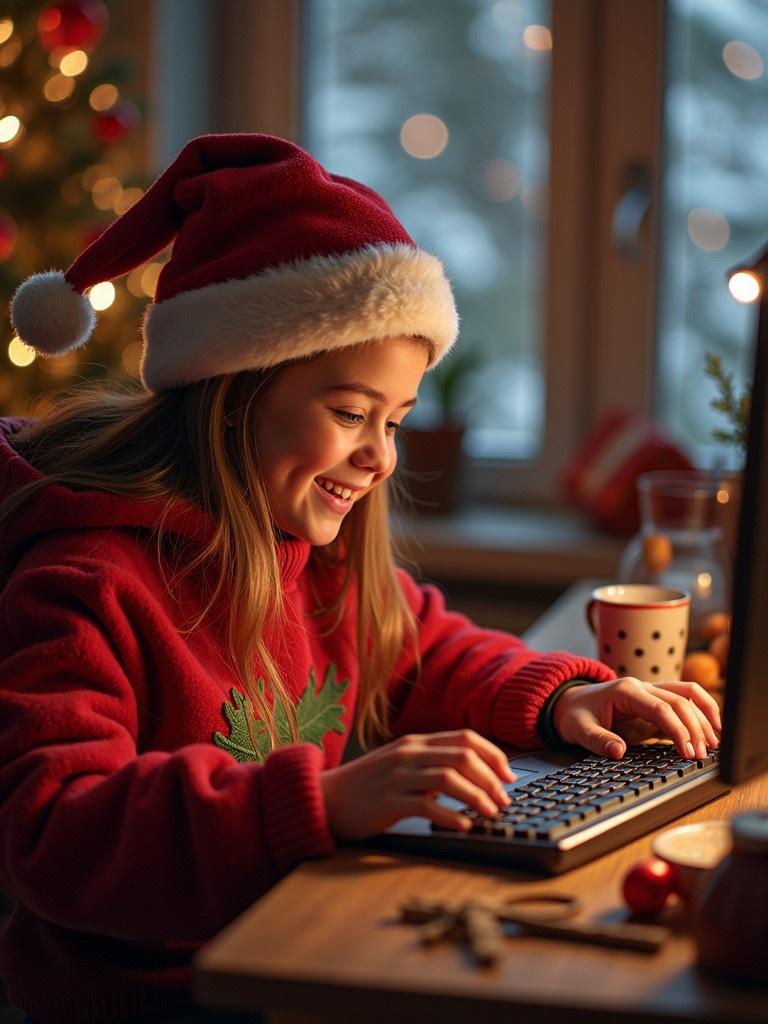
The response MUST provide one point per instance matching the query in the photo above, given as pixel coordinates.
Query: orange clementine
(715, 624)
(703, 668)
(657, 552)
(718, 648)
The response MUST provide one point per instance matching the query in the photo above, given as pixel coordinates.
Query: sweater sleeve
(96, 836)
(476, 678)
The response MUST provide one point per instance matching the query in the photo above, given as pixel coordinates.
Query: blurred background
(588, 170)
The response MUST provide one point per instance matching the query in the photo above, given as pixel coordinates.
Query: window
(715, 205)
(576, 194)
(462, 157)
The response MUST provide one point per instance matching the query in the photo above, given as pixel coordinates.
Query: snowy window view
(442, 107)
(715, 205)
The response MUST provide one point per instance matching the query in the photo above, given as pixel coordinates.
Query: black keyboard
(569, 809)
(567, 798)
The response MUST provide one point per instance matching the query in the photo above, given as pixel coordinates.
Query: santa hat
(273, 259)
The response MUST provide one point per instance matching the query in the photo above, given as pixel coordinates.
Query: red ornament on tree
(114, 124)
(8, 235)
(72, 24)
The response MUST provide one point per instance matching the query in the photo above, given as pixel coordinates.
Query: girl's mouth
(336, 497)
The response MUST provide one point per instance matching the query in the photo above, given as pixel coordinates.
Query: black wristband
(545, 726)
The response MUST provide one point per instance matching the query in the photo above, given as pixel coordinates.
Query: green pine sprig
(734, 407)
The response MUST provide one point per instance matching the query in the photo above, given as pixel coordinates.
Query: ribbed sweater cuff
(294, 811)
(520, 700)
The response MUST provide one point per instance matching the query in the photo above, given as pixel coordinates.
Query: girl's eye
(395, 428)
(349, 417)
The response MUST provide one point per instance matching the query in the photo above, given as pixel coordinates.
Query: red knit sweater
(136, 817)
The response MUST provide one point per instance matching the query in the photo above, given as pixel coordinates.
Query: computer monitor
(744, 750)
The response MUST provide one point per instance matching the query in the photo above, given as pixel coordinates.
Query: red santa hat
(273, 259)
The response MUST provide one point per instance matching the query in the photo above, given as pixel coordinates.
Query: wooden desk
(326, 945)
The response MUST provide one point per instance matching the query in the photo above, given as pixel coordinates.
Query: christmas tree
(67, 167)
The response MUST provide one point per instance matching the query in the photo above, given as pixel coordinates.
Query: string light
(424, 136)
(19, 353)
(149, 278)
(744, 285)
(743, 60)
(105, 192)
(537, 38)
(102, 295)
(73, 63)
(9, 52)
(126, 199)
(103, 97)
(10, 130)
(58, 88)
(6, 29)
(708, 229)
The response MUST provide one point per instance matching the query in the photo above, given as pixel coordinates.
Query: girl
(199, 602)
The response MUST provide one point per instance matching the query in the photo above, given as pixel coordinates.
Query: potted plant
(432, 452)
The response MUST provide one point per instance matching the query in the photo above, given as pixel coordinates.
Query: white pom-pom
(50, 316)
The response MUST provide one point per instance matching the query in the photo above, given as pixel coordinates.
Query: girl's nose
(375, 453)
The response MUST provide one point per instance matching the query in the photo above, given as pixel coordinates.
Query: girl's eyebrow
(366, 389)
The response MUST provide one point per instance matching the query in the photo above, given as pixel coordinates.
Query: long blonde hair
(198, 443)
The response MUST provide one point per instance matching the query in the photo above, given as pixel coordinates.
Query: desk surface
(326, 943)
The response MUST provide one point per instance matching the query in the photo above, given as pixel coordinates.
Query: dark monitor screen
(744, 747)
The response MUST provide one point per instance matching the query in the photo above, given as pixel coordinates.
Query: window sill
(524, 545)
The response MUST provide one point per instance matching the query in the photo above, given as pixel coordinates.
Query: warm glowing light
(10, 126)
(744, 285)
(537, 38)
(131, 358)
(126, 199)
(743, 60)
(149, 278)
(92, 174)
(708, 229)
(6, 29)
(133, 283)
(424, 136)
(10, 52)
(103, 97)
(105, 192)
(73, 63)
(102, 295)
(704, 583)
(58, 88)
(19, 353)
(502, 180)
(722, 496)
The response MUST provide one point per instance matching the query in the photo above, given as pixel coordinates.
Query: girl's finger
(703, 700)
(701, 733)
(467, 763)
(449, 782)
(425, 805)
(652, 704)
(492, 755)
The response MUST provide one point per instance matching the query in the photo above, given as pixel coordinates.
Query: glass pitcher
(681, 541)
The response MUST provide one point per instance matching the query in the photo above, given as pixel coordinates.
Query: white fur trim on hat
(296, 310)
(50, 315)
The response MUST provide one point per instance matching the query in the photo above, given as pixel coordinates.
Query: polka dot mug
(641, 630)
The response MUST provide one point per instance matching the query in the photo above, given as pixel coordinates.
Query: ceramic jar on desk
(731, 923)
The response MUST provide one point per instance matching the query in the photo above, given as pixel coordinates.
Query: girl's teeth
(342, 492)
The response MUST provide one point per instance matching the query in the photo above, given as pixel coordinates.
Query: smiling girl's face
(326, 432)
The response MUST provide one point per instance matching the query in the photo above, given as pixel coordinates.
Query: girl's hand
(601, 716)
(405, 777)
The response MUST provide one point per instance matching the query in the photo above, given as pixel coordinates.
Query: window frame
(605, 111)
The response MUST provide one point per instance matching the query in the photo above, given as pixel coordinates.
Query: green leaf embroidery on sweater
(317, 713)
